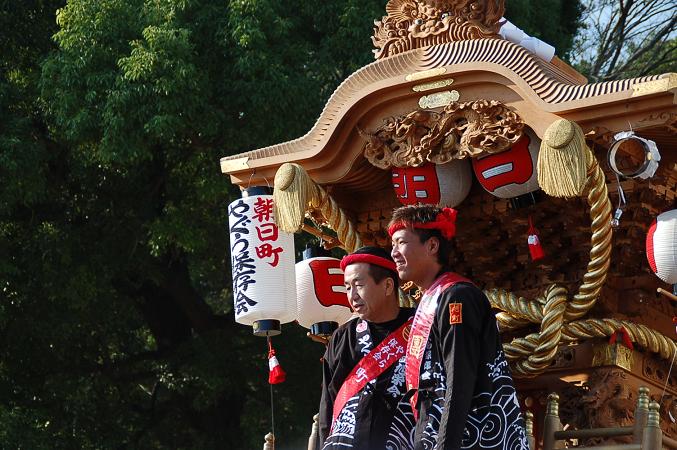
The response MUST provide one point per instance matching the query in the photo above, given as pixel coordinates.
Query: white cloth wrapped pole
(536, 46)
(262, 258)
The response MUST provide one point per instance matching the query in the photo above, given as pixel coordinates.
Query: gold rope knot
(562, 161)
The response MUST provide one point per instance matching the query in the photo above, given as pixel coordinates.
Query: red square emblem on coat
(455, 313)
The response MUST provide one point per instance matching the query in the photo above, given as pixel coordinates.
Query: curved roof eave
(538, 91)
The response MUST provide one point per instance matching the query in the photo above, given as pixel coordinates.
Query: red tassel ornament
(535, 248)
(622, 335)
(276, 374)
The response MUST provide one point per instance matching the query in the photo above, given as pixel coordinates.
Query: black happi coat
(377, 417)
(464, 369)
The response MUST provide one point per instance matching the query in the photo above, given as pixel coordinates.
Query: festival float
(565, 192)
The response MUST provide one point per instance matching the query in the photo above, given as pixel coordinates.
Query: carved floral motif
(657, 370)
(608, 399)
(413, 24)
(610, 402)
(461, 130)
(669, 415)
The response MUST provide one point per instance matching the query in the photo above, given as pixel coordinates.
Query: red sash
(391, 349)
(420, 331)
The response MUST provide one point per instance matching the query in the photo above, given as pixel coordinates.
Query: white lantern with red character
(322, 303)
(434, 184)
(661, 246)
(511, 173)
(262, 260)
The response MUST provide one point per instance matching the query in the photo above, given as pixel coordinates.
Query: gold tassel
(294, 190)
(562, 170)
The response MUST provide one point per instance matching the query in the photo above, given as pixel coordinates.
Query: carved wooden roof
(497, 69)
(459, 56)
(410, 24)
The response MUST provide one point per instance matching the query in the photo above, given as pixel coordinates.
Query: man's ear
(390, 286)
(433, 245)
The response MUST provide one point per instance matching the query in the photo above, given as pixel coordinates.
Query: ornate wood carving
(610, 402)
(564, 358)
(608, 399)
(461, 130)
(666, 118)
(413, 24)
(657, 371)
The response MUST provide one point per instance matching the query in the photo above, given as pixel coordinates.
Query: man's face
(369, 299)
(415, 260)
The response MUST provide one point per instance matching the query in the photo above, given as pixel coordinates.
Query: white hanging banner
(262, 259)
(321, 292)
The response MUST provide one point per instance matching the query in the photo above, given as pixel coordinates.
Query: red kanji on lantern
(263, 208)
(328, 282)
(267, 232)
(266, 250)
(416, 184)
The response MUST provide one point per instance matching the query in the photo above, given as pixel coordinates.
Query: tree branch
(650, 46)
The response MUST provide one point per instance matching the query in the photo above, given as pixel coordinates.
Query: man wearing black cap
(363, 366)
(458, 380)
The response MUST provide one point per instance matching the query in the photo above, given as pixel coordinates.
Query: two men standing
(459, 392)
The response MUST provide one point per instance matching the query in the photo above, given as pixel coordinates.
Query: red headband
(369, 259)
(445, 222)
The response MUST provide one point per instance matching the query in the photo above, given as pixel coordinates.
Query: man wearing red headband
(363, 366)
(458, 380)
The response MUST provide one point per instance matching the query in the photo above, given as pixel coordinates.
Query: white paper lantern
(322, 302)
(513, 172)
(661, 246)
(262, 258)
(433, 184)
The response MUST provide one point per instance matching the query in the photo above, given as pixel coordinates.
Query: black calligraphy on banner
(244, 269)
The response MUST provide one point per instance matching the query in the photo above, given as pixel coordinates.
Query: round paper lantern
(513, 172)
(434, 184)
(322, 302)
(262, 259)
(661, 246)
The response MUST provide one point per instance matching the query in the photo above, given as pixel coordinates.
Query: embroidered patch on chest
(455, 313)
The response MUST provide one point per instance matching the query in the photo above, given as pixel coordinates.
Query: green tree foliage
(116, 322)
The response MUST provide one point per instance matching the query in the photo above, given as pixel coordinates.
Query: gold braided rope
(520, 352)
(520, 311)
(296, 195)
(533, 354)
(506, 322)
(338, 221)
(600, 253)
